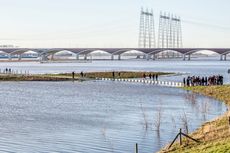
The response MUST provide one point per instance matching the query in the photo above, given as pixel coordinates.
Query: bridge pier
(189, 57)
(147, 56)
(43, 57)
(9, 57)
(112, 57)
(184, 57)
(19, 57)
(85, 57)
(154, 57)
(77, 56)
(119, 57)
(225, 57)
(52, 57)
(221, 57)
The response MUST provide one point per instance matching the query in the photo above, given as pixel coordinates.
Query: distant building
(8, 46)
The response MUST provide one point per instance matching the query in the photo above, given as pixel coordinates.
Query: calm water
(201, 67)
(95, 116)
(99, 116)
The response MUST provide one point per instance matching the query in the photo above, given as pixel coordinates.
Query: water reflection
(96, 116)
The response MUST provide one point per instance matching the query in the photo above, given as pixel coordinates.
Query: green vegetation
(218, 92)
(213, 135)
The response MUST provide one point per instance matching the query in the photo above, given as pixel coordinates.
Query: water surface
(95, 116)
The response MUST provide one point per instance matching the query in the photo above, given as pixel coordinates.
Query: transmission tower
(170, 32)
(147, 29)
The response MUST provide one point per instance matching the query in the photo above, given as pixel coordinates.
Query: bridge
(150, 53)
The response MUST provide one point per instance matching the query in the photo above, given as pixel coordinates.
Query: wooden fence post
(136, 148)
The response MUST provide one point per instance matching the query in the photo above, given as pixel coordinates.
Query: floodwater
(102, 116)
(202, 67)
(96, 116)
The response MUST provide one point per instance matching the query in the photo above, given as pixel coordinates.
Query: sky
(108, 23)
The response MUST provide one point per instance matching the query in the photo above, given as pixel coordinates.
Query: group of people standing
(151, 76)
(7, 70)
(203, 81)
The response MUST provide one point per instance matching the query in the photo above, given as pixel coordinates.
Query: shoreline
(77, 76)
(213, 135)
(206, 133)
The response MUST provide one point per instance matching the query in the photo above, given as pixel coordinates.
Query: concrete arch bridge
(150, 53)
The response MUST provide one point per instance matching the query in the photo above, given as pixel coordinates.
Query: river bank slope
(213, 135)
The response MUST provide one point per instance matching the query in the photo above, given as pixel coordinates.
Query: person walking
(153, 76)
(156, 77)
(82, 74)
(144, 76)
(73, 75)
(184, 81)
(150, 76)
(113, 74)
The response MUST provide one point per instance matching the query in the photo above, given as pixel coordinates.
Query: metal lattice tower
(170, 32)
(147, 30)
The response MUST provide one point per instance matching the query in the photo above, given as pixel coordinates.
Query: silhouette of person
(73, 73)
(150, 75)
(113, 73)
(82, 74)
(153, 76)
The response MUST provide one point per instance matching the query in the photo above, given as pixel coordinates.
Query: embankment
(213, 135)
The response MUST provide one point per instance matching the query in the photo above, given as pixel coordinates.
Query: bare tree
(157, 120)
(144, 117)
(191, 97)
(173, 121)
(205, 107)
(185, 121)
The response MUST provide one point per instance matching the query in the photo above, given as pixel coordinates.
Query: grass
(120, 74)
(14, 77)
(219, 146)
(213, 135)
(68, 76)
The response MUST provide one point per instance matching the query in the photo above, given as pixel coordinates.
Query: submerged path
(146, 81)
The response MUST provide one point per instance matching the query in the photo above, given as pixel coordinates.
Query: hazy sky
(108, 23)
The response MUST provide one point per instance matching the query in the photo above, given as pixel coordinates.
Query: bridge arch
(137, 52)
(189, 53)
(226, 53)
(199, 50)
(3, 52)
(165, 50)
(22, 51)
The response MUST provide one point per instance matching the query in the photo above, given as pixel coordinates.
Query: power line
(203, 24)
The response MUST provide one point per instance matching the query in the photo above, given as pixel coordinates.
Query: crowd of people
(203, 81)
(151, 76)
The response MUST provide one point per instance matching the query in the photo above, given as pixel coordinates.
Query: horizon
(55, 24)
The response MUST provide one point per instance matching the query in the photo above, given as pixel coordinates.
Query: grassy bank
(213, 135)
(14, 77)
(77, 76)
(120, 74)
